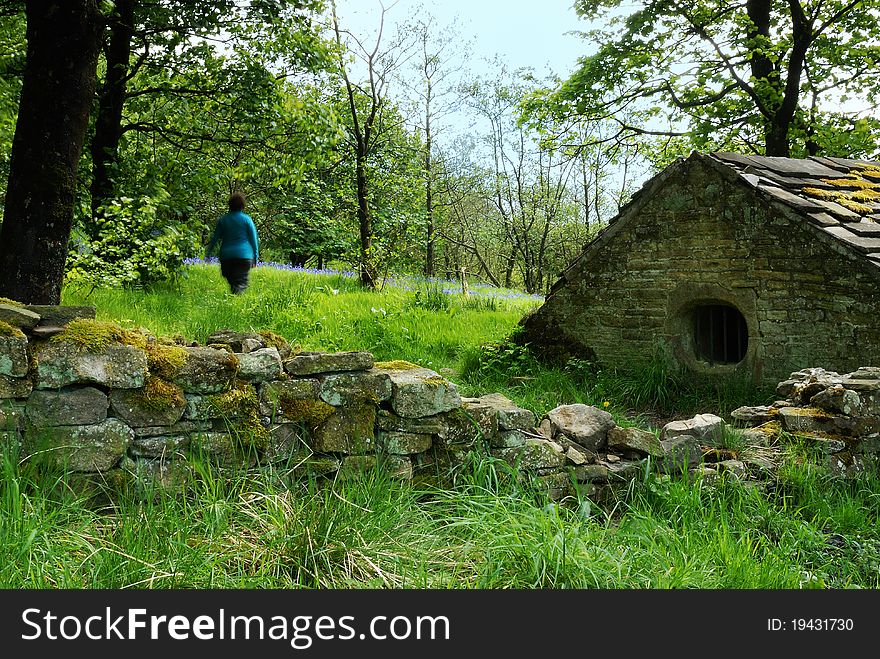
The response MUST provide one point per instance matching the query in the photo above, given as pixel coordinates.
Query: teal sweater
(237, 236)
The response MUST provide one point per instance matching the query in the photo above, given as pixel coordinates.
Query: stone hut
(732, 266)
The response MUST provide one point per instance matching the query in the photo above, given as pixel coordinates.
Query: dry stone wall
(129, 408)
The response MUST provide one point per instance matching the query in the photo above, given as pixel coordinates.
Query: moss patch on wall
(240, 407)
(310, 412)
(164, 360)
(397, 365)
(95, 335)
(161, 395)
(273, 340)
(9, 330)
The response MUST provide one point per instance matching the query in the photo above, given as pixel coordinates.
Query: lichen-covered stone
(753, 415)
(428, 425)
(837, 399)
(304, 464)
(591, 473)
(510, 415)
(624, 470)
(277, 395)
(162, 446)
(821, 443)
(356, 388)
(574, 456)
(870, 401)
(159, 403)
(556, 485)
(812, 420)
(18, 316)
(508, 439)
(356, 466)
(706, 428)
(102, 487)
(261, 365)
(312, 363)
(403, 443)
(63, 363)
(199, 408)
(735, 468)
(868, 444)
(348, 430)
(418, 392)
(285, 440)
(848, 465)
(468, 425)
(866, 373)
(440, 460)
(184, 427)
(635, 439)
(219, 447)
(11, 415)
(15, 387)
(10, 441)
(160, 477)
(70, 406)
(238, 342)
(80, 448)
(567, 444)
(13, 356)
(399, 467)
(206, 371)
(59, 315)
(806, 383)
(760, 436)
(584, 424)
(534, 454)
(681, 453)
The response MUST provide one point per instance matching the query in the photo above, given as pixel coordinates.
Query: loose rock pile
(837, 415)
(129, 407)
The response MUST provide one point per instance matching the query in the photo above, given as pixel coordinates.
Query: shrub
(130, 243)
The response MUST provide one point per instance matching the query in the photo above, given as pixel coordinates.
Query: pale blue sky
(521, 32)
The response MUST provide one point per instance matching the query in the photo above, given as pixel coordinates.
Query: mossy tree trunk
(58, 87)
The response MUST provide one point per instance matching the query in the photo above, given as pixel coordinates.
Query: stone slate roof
(840, 195)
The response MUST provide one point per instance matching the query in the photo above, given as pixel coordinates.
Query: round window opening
(721, 334)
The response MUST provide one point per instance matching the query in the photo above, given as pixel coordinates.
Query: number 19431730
(810, 624)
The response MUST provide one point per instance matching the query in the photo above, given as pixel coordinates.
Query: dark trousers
(236, 272)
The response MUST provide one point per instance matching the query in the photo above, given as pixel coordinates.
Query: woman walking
(239, 245)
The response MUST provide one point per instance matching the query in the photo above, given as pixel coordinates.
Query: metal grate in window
(721, 335)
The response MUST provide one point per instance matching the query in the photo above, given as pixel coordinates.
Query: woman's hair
(236, 202)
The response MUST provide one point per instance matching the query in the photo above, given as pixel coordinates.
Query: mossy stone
(349, 430)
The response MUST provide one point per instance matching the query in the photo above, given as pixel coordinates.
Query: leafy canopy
(767, 76)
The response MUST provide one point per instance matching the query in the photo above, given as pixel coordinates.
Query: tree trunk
(63, 38)
(429, 202)
(108, 122)
(365, 223)
(779, 110)
(508, 268)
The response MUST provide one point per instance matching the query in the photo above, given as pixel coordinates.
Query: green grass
(317, 312)
(484, 530)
